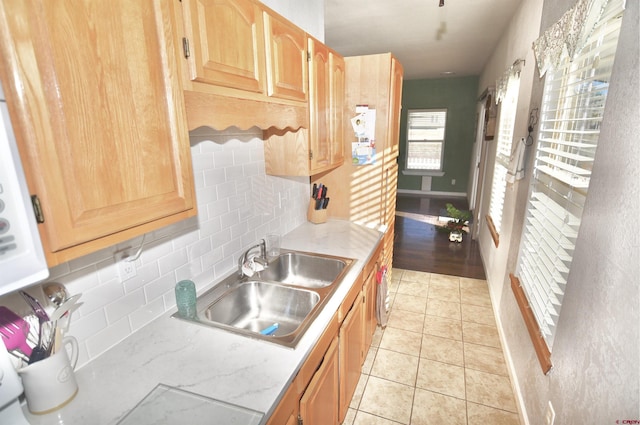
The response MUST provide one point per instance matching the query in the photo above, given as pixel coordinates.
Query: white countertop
(209, 361)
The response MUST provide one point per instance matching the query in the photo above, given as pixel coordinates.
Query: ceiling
(427, 39)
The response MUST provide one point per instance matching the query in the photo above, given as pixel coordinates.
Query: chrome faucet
(261, 259)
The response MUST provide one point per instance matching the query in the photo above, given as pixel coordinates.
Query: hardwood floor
(419, 246)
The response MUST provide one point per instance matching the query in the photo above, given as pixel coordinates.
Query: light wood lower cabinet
(369, 309)
(319, 404)
(351, 353)
(321, 392)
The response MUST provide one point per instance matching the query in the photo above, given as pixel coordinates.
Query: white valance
(503, 82)
(567, 36)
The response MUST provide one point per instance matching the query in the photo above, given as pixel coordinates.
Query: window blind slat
(574, 144)
(564, 166)
(567, 155)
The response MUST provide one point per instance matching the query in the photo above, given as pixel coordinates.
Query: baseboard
(432, 193)
(506, 352)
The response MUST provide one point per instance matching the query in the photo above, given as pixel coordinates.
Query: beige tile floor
(438, 361)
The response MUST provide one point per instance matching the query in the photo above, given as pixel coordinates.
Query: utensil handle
(73, 360)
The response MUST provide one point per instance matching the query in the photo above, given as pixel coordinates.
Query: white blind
(572, 109)
(503, 149)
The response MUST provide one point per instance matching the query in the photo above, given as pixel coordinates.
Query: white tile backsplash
(238, 204)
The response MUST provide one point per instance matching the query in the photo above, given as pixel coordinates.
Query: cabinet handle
(37, 208)
(185, 47)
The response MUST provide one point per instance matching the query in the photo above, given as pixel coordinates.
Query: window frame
(559, 185)
(442, 141)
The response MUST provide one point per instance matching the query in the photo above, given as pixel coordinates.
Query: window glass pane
(425, 139)
(424, 155)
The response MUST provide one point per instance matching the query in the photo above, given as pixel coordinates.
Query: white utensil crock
(50, 383)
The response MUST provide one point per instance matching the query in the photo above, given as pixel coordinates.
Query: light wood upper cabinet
(286, 58)
(226, 43)
(99, 117)
(244, 65)
(321, 147)
(336, 107)
(319, 102)
(395, 102)
(365, 193)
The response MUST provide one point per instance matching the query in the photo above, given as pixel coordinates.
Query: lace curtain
(567, 36)
(503, 82)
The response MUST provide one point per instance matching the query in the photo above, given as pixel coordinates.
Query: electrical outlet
(453, 182)
(126, 268)
(550, 416)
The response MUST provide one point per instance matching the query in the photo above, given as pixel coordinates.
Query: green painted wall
(459, 97)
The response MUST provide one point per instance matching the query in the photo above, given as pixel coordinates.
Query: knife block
(314, 215)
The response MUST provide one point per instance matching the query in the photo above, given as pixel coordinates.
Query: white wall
(596, 352)
(238, 204)
(307, 14)
(514, 44)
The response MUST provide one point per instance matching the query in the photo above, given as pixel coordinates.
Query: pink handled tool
(14, 330)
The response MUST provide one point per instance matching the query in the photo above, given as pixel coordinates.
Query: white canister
(50, 383)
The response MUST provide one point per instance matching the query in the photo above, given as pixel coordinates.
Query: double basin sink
(276, 304)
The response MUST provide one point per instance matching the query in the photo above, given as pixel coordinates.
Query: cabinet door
(395, 106)
(226, 43)
(101, 120)
(319, 94)
(370, 321)
(286, 47)
(288, 409)
(319, 404)
(351, 354)
(336, 106)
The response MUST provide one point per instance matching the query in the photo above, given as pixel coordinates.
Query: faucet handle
(263, 248)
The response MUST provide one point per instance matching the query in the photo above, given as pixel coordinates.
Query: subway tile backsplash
(238, 204)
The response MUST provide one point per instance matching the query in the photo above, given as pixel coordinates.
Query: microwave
(22, 260)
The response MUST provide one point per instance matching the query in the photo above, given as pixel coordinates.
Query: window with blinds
(425, 139)
(503, 149)
(572, 109)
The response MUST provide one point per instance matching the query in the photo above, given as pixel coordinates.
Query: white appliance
(10, 390)
(22, 260)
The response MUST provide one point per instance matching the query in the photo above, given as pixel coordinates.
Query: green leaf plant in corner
(459, 220)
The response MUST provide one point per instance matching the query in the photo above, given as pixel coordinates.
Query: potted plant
(457, 224)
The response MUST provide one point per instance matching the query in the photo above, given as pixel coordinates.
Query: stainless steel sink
(306, 270)
(290, 292)
(255, 306)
